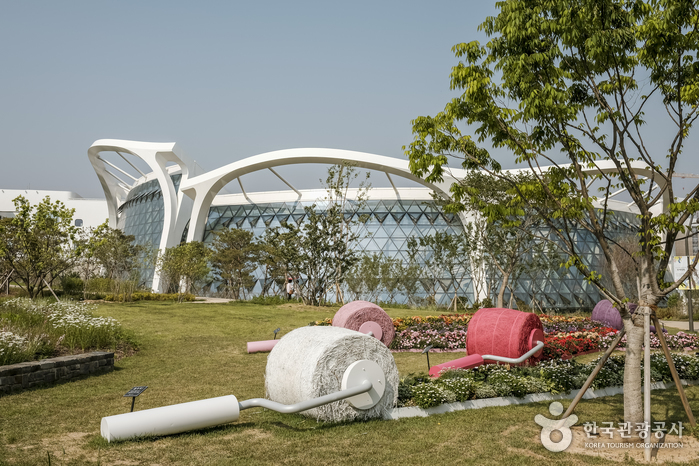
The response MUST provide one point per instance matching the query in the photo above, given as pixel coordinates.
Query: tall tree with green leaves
(185, 267)
(343, 208)
(38, 243)
(324, 254)
(565, 86)
(447, 254)
(121, 259)
(234, 257)
(280, 255)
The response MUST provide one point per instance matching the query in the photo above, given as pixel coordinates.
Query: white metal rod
(616, 193)
(117, 168)
(132, 165)
(390, 180)
(363, 387)
(524, 357)
(243, 190)
(121, 182)
(286, 182)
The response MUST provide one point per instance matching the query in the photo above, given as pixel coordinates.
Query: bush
(427, 395)
(556, 376)
(99, 285)
(150, 296)
(36, 329)
(462, 388)
(271, 300)
(13, 348)
(72, 285)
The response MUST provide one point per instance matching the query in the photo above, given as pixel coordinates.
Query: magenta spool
(503, 332)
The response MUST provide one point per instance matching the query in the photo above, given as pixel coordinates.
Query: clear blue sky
(226, 80)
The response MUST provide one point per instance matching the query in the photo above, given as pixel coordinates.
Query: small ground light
(275, 333)
(426, 351)
(133, 393)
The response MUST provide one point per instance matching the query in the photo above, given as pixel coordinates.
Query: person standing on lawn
(289, 288)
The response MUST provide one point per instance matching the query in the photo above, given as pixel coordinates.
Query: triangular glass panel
(397, 217)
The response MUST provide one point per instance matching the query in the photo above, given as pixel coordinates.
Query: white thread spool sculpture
(337, 374)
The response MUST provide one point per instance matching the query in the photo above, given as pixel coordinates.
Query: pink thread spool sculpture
(361, 316)
(499, 335)
(365, 317)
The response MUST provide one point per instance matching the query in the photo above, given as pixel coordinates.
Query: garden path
(205, 299)
(681, 324)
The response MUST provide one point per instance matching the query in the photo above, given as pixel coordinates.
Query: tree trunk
(633, 395)
(501, 291)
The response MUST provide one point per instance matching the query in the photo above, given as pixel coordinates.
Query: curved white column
(177, 207)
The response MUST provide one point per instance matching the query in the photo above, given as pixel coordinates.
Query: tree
(280, 256)
(185, 266)
(234, 256)
(410, 273)
(337, 185)
(324, 253)
(87, 265)
(447, 253)
(120, 258)
(319, 253)
(572, 80)
(38, 243)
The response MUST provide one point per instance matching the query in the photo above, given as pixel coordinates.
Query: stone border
(25, 375)
(414, 411)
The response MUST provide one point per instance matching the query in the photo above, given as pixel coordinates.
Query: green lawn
(194, 351)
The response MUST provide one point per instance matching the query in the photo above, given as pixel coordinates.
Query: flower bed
(37, 329)
(680, 341)
(566, 336)
(554, 376)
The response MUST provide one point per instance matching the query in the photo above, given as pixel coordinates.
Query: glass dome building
(177, 202)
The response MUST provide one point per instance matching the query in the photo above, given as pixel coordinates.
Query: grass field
(194, 351)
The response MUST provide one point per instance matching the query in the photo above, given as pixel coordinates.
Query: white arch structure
(198, 190)
(203, 188)
(177, 207)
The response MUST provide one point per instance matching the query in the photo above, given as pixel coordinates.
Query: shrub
(463, 388)
(427, 395)
(150, 296)
(40, 328)
(12, 348)
(484, 390)
(270, 300)
(554, 376)
(71, 285)
(99, 284)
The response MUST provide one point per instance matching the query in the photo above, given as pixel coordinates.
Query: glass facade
(389, 226)
(142, 215)
(385, 230)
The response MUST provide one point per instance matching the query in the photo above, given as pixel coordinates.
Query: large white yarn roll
(310, 361)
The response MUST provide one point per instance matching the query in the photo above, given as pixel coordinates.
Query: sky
(225, 80)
